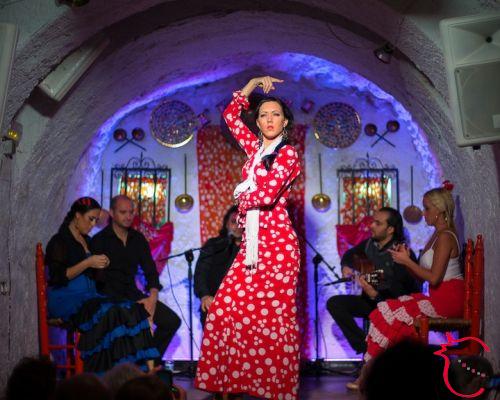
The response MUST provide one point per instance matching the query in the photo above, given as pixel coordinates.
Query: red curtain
(160, 240)
(350, 235)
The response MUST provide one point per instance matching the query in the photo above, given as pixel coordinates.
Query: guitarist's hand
(367, 288)
(347, 272)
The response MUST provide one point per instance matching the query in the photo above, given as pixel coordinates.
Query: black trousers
(343, 309)
(167, 322)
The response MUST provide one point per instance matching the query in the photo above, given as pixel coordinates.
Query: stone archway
(54, 142)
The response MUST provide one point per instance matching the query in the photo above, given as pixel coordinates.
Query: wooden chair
(470, 324)
(73, 363)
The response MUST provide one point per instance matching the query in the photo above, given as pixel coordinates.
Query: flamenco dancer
(251, 340)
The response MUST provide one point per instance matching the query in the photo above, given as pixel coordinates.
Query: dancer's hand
(265, 82)
(206, 302)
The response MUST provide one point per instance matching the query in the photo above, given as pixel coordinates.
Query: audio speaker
(8, 40)
(472, 54)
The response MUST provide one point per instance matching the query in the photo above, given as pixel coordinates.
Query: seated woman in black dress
(112, 330)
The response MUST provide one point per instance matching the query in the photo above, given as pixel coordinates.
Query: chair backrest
(477, 299)
(474, 289)
(469, 254)
(41, 289)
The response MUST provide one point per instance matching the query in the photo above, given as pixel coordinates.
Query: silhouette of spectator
(468, 374)
(408, 370)
(32, 378)
(148, 387)
(120, 374)
(82, 387)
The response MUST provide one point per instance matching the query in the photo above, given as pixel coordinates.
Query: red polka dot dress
(251, 338)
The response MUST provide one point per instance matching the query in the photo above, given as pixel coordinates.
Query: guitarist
(386, 231)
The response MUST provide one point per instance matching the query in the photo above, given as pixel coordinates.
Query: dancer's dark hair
(287, 113)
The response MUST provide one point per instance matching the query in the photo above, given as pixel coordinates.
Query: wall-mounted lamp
(10, 140)
(384, 53)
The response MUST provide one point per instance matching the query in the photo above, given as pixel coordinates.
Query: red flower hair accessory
(448, 185)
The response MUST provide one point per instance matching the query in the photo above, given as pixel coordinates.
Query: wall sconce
(10, 140)
(307, 106)
(384, 53)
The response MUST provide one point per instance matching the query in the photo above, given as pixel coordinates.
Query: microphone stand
(317, 366)
(188, 254)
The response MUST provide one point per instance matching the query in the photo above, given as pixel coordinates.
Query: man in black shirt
(127, 249)
(216, 257)
(387, 230)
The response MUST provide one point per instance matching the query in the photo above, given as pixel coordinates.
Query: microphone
(341, 280)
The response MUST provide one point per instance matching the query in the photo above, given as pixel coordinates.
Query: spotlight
(384, 53)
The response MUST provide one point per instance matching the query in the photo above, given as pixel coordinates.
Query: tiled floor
(311, 388)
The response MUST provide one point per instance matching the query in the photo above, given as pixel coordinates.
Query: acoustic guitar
(366, 269)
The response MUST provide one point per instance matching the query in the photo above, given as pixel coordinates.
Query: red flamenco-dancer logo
(470, 369)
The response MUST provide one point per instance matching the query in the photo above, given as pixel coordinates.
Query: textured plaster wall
(35, 183)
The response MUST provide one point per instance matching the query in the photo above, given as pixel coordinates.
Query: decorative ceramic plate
(337, 125)
(173, 123)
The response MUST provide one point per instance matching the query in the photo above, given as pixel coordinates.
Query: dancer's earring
(261, 140)
(285, 134)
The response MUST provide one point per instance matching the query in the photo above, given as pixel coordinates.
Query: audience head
(468, 374)
(82, 387)
(83, 215)
(408, 370)
(229, 224)
(121, 211)
(439, 207)
(387, 224)
(120, 374)
(32, 378)
(147, 387)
